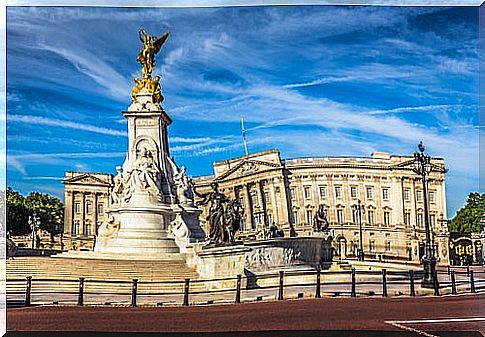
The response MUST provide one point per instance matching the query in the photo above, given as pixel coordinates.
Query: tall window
(75, 227)
(323, 191)
(407, 218)
(353, 192)
(388, 246)
(369, 193)
(432, 220)
(372, 245)
(387, 218)
(419, 196)
(307, 192)
(340, 216)
(266, 197)
(254, 199)
(309, 217)
(385, 194)
(338, 191)
(431, 197)
(407, 195)
(419, 220)
(292, 193)
(295, 217)
(77, 207)
(89, 207)
(100, 209)
(88, 228)
(270, 219)
(355, 216)
(370, 217)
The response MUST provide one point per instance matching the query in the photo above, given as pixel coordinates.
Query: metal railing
(278, 285)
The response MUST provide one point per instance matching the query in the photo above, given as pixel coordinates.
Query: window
(88, 228)
(355, 216)
(353, 192)
(270, 219)
(419, 196)
(295, 217)
(431, 197)
(407, 218)
(340, 216)
(370, 217)
(372, 245)
(89, 207)
(388, 246)
(369, 192)
(77, 207)
(432, 220)
(309, 217)
(75, 227)
(385, 194)
(292, 193)
(307, 191)
(100, 208)
(323, 191)
(266, 197)
(419, 220)
(407, 195)
(254, 199)
(338, 191)
(387, 218)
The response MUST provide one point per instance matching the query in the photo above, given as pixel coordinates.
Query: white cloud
(37, 120)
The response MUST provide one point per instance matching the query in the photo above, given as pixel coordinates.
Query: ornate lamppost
(422, 166)
(359, 209)
(34, 223)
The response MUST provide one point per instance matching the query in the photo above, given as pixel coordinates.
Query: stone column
(263, 203)
(83, 221)
(95, 225)
(69, 211)
(250, 206)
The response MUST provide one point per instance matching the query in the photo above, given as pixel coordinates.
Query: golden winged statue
(151, 47)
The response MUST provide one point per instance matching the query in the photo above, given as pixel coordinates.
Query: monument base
(222, 262)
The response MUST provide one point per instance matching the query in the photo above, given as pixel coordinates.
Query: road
(403, 316)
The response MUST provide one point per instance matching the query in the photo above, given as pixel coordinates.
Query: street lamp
(422, 166)
(34, 223)
(359, 209)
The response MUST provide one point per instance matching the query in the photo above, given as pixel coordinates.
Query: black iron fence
(280, 285)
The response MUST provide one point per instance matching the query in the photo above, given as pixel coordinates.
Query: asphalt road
(402, 316)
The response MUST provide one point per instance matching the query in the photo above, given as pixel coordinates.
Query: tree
(49, 209)
(17, 213)
(471, 217)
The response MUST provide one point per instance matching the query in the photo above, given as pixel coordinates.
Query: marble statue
(185, 193)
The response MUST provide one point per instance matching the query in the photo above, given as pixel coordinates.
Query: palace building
(288, 192)
(86, 197)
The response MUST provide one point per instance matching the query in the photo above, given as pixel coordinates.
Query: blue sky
(309, 80)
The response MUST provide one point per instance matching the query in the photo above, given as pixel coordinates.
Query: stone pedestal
(222, 262)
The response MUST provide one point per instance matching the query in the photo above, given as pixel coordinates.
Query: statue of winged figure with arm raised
(151, 47)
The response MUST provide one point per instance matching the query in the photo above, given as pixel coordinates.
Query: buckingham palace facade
(288, 192)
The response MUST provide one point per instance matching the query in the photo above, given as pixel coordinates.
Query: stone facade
(85, 203)
(288, 193)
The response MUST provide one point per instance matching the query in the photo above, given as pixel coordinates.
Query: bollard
(186, 291)
(436, 284)
(134, 287)
(80, 297)
(280, 290)
(449, 269)
(472, 282)
(453, 283)
(238, 289)
(467, 270)
(28, 290)
(411, 283)
(384, 283)
(317, 290)
(353, 293)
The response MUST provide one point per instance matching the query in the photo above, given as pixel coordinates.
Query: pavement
(459, 315)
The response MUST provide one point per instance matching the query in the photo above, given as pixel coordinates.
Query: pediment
(247, 167)
(87, 179)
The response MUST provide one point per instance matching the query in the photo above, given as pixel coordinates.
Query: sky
(308, 80)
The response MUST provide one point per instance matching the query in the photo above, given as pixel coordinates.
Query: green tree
(49, 209)
(471, 217)
(17, 213)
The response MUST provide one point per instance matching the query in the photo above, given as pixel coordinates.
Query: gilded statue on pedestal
(151, 47)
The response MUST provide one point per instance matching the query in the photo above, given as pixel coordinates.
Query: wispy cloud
(37, 120)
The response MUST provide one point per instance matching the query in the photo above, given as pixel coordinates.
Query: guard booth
(464, 250)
